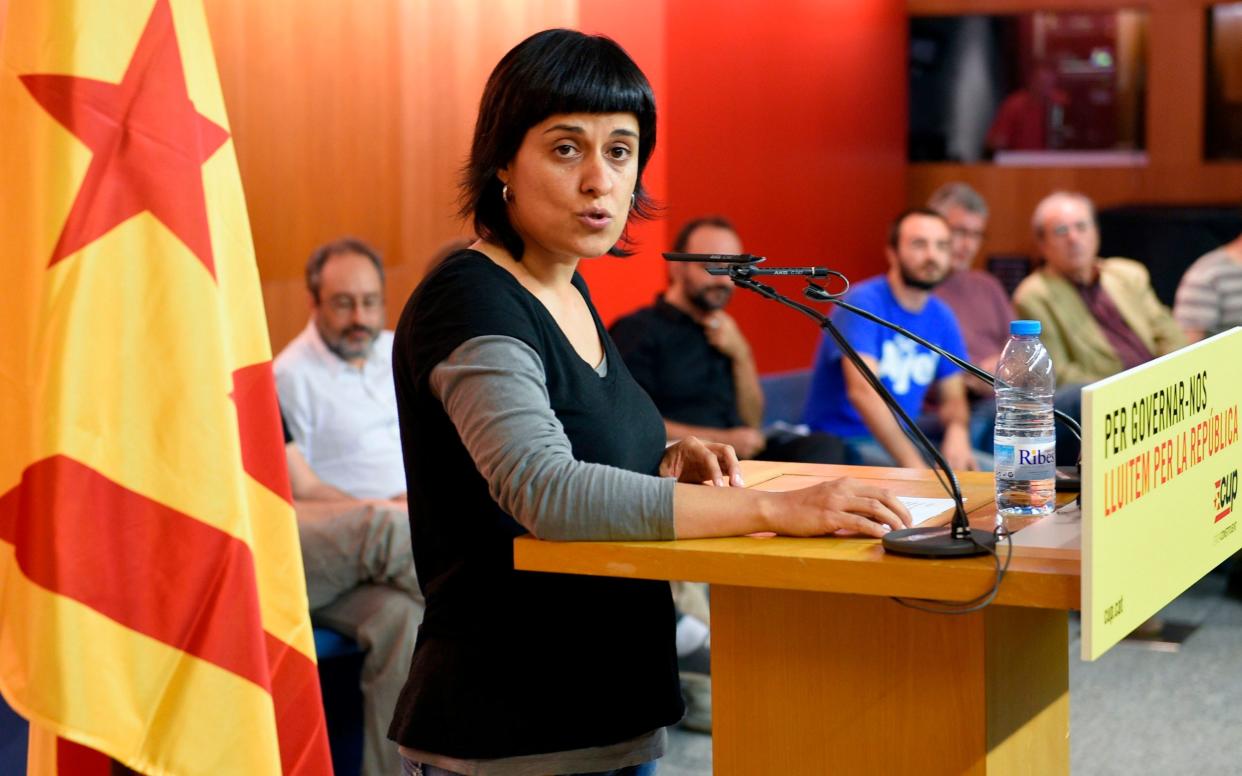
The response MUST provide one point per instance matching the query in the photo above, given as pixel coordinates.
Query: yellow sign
(1161, 454)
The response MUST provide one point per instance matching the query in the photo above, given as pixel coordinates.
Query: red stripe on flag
(299, 711)
(73, 759)
(258, 421)
(165, 574)
(149, 567)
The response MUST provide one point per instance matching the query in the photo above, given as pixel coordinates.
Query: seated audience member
(983, 312)
(335, 378)
(977, 299)
(1209, 297)
(694, 654)
(696, 364)
(1099, 316)
(841, 402)
(336, 390)
(303, 482)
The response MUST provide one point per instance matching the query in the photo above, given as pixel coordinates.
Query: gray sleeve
(494, 390)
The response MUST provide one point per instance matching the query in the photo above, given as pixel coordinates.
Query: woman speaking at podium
(518, 415)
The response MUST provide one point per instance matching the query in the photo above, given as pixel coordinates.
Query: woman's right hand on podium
(842, 507)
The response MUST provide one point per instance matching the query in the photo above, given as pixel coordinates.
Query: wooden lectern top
(827, 564)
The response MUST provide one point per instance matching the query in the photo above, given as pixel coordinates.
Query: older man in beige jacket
(1100, 316)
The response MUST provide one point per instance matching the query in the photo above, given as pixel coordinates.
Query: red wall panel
(621, 285)
(790, 119)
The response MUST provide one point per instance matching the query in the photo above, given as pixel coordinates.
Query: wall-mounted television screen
(1062, 87)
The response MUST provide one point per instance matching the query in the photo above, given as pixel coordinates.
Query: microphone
(715, 258)
(743, 265)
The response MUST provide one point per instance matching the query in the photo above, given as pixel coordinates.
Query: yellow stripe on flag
(180, 715)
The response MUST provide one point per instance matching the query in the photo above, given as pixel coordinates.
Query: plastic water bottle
(1026, 442)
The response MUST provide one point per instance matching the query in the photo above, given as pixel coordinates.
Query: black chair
(1167, 238)
(1009, 268)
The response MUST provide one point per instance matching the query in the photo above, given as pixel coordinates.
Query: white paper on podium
(923, 509)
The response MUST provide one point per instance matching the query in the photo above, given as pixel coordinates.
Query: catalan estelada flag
(152, 604)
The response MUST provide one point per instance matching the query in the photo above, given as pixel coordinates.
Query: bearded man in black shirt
(696, 364)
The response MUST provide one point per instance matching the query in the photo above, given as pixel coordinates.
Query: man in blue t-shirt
(840, 400)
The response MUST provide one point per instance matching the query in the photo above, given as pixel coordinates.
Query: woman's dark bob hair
(551, 72)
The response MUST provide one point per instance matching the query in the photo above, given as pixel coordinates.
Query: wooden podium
(816, 670)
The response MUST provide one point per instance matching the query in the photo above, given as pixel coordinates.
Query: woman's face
(570, 184)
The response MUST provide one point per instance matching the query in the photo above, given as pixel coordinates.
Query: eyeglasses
(1063, 230)
(343, 303)
(974, 234)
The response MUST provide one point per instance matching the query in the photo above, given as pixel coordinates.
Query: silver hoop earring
(504, 193)
(633, 200)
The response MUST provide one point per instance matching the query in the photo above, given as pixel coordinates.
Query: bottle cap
(1025, 328)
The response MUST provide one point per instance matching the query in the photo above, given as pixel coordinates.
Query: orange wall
(354, 118)
(1176, 172)
(789, 119)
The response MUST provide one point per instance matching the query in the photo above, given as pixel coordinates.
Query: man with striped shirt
(1209, 297)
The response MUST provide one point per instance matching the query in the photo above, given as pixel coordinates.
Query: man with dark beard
(696, 364)
(841, 402)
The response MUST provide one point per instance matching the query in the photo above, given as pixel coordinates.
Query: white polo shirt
(344, 419)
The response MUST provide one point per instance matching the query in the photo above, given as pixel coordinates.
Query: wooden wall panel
(354, 118)
(1175, 173)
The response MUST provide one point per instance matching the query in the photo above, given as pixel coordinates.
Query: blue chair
(340, 668)
(784, 395)
(329, 644)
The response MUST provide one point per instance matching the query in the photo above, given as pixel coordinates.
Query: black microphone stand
(957, 539)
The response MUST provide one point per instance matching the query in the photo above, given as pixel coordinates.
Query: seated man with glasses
(337, 397)
(1100, 316)
(335, 378)
(983, 312)
(977, 299)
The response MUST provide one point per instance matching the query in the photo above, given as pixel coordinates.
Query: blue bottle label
(1025, 458)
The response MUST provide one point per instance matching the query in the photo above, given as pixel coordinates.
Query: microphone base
(938, 542)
